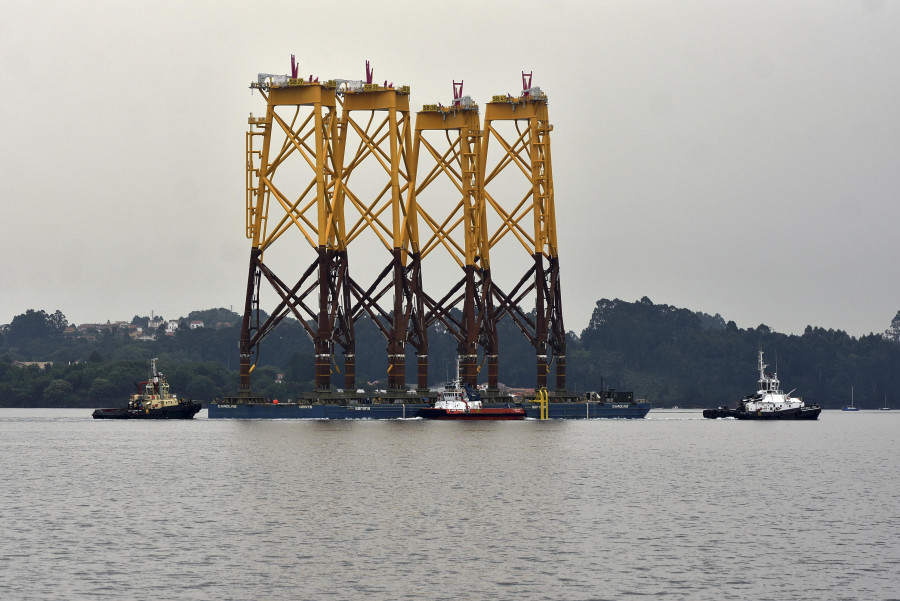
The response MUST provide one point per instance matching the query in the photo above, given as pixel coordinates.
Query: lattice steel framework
(330, 215)
(378, 117)
(301, 159)
(447, 145)
(291, 189)
(530, 218)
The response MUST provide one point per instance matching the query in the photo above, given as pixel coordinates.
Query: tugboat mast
(767, 382)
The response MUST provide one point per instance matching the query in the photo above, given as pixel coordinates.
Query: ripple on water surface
(673, 506)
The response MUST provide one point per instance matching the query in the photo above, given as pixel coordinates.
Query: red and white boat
(457, 403)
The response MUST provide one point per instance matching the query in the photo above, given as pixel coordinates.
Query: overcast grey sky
(739, 157)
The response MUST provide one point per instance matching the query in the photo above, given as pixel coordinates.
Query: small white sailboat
(851, 406)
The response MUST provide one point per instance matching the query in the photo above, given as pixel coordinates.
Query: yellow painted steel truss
(529, 152)
(308, 138)
(387, 143)
(457, 158)
(311, 162)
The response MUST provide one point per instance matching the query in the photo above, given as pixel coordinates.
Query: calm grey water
(672, 506)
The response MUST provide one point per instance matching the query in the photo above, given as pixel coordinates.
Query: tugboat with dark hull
(152, 401)
(769, 402)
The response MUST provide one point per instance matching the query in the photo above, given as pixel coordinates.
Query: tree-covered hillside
(676, 356)
(668, 355)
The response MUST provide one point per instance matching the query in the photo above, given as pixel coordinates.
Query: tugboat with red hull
(456, 403)
(152, 401)
(769, 402)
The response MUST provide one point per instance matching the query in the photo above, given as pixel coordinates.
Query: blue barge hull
(574, 410)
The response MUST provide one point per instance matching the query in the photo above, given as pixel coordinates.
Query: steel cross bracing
(455, 156)
(529, 152)
(331, 130)
(383, 138)
(301, 116)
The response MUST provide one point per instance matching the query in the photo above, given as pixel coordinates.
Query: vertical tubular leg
(560, 372)
(422, 371)
(396, 347)
(489, 329)
(349, 371)
(244, 344)
(540, 330)
(493, 372)
(343, 330)
(323, 331)
(541, 370)
(468, 351)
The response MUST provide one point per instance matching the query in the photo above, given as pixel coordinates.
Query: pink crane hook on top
(457, 91)
(526, 82)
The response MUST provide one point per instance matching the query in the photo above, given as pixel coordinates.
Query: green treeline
(668, 355)
(678, 357)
